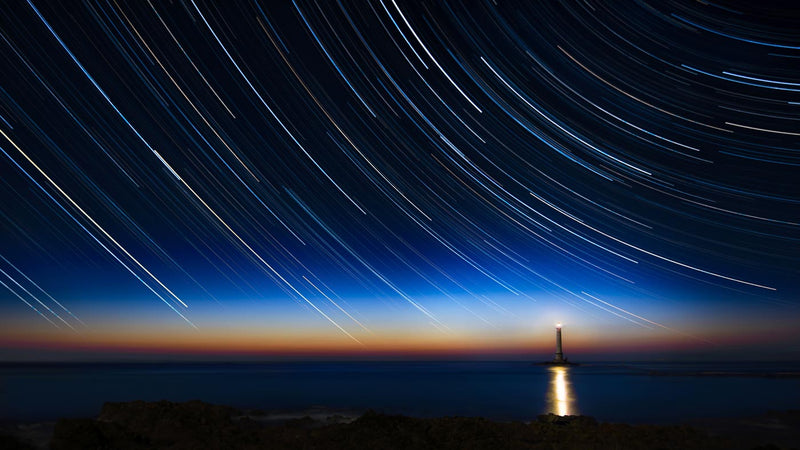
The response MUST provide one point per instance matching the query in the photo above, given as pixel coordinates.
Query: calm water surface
(634, 393)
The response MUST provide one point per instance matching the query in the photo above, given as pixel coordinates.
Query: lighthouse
(559, 359)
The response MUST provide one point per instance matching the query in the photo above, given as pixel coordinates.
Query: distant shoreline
(657, 373)
(390, 360)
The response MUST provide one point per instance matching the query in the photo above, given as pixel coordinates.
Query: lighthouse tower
(559, 352)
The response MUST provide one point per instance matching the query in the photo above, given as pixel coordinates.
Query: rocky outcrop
(193, 425)
(11, 442)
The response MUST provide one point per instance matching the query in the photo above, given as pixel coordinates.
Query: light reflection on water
(560, 400)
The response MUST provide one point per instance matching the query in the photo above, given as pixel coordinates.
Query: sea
(642, 392)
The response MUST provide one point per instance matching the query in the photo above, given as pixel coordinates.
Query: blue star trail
(425, 159)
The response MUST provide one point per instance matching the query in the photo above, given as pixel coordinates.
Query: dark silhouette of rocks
(195, 425)
(10, 442)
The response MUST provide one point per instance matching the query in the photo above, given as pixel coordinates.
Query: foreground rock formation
(194, 425)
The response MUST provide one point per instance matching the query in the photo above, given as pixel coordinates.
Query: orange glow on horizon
(305, 342)
(536, 343)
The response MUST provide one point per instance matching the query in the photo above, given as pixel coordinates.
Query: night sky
(383, 178)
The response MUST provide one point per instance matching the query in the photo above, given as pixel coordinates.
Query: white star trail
(361, 165)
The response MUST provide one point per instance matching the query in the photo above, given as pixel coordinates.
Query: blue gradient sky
(211, 179)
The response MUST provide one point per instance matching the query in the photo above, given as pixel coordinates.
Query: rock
(9, 442)
(77, 434)
(583, 421)
(193, 425)
(303, 422)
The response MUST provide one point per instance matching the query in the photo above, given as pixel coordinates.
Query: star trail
(397, 175)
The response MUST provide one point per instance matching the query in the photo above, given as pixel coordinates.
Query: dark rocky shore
(196, 425)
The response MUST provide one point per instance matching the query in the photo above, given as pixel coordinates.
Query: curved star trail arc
(401, 155)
